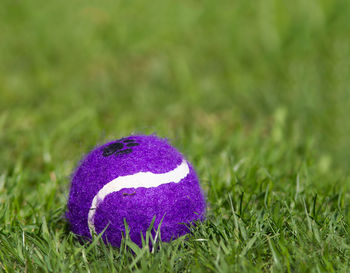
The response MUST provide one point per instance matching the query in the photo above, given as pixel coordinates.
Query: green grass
(255, 93)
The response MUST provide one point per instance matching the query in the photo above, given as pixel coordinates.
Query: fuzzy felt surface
(177, 204)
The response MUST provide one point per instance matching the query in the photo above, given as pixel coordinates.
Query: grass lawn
(256, 94)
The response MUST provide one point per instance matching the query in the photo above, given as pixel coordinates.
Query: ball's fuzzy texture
(134, 178)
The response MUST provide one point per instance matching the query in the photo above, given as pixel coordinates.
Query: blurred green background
(76, 73)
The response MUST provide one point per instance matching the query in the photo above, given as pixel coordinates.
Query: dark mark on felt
(123, 152)
(112, 148)
(132, 144)
(129, 194)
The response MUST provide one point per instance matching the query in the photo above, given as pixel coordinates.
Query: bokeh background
(74, 73)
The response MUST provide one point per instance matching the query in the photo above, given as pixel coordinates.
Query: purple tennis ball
(134, 178)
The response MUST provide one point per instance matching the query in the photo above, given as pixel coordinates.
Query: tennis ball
(134, 179)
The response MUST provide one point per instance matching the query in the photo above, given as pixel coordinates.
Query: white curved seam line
(137, 180)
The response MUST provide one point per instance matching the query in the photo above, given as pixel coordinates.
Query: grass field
(255, 93)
